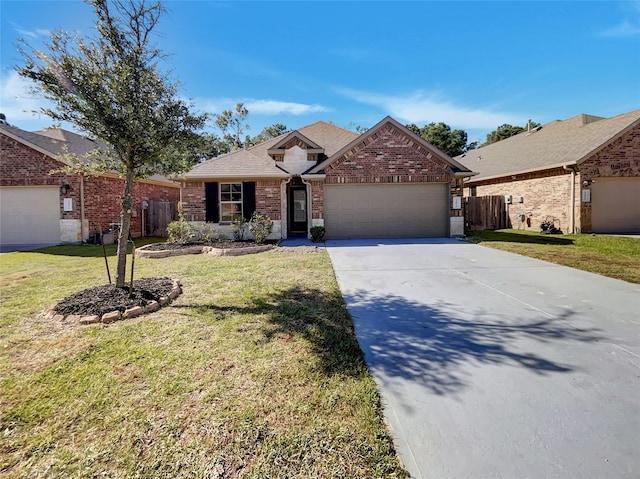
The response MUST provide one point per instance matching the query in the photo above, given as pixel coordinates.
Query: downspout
(284, 208)
(81, 209)
(309, 210)
(572, 200)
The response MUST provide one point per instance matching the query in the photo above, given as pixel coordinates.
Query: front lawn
(253, 372)
(613, 256)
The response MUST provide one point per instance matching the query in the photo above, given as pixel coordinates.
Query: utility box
(107, 237)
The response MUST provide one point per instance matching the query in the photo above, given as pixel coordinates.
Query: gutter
(522, 172)
(572, 198)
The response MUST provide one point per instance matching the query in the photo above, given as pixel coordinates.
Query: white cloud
(16, 101)
(625, 29)
(257, 107)
(423, 107)
(38, 33)
(272, 107)
(629, 27)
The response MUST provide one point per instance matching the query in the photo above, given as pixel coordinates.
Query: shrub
(317, 234)
(181, 232)
(260, 226)
(205, 232)
(240, 230)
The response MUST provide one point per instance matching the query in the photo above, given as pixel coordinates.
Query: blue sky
(473, 65)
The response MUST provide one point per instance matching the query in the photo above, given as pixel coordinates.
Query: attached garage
(29, 215)
(615, 205)
(386, 210)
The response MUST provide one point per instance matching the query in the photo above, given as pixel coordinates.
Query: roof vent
(3, 119)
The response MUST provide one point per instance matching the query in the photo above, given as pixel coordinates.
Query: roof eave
(523, 172)
(235, 177)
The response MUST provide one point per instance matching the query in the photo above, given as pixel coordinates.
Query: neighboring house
(386, 182)
(41, 205)
(583, 171)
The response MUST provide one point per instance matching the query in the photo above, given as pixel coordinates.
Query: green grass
(253, 372)
(612, 256)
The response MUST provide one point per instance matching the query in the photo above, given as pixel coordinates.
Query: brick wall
(317, 200)
(621, 158)
(193, 201)
(103, 201)
(24, 166)
(388, 156)
(545, 193)
(549, 192)
(268, 198)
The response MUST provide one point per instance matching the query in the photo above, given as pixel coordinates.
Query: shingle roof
(557, 143)
(55, 142)
(456, 166)
(255, 162)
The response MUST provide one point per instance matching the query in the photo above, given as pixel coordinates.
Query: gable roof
(52, 141)
(279, 147)
(56, 142)
(456, 167)
(255, 162)
(555, 144)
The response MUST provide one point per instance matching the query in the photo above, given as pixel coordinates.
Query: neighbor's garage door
(29, 215)
(386, 211)
(615, 205)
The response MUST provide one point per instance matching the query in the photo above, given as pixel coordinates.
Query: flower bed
(222, 248)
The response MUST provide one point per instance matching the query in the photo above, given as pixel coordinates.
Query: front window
(231, 202)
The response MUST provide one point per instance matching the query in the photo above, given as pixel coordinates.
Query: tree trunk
(125, 226)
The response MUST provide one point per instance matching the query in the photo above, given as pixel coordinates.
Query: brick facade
(268, 198)
(544, 193)
(193, 201)
(24, 166)
(389, 156)
(549, 192)
(386, 154)
(621, 158)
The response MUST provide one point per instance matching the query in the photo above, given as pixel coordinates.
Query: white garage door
(386, 211)
(29, 215)
(615, 205)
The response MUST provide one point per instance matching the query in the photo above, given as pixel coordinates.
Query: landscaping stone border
(201, 249)
(51, 314)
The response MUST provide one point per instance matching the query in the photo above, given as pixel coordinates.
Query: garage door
(615, 205)
(29, 215)
(386, 211)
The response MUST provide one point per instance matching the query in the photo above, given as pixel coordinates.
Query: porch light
(65, 188)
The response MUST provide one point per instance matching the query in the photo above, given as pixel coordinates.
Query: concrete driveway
(493, 365)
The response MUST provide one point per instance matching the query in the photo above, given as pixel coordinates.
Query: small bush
(240, 230)
(180, 232)
(205, 232)
(260, 226)
(317, 234)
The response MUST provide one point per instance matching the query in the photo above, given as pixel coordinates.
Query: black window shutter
(248, 198)
(212, 212)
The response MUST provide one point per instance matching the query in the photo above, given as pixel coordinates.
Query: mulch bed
(104, 299)
(216, 244)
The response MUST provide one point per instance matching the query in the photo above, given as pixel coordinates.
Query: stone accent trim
(202, 249)
(112, 316)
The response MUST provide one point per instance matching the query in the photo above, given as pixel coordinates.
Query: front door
(298, 209)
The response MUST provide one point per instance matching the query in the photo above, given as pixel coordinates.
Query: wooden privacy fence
(485, 213)
(158, 215)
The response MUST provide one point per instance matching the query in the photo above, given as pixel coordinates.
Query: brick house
(42, 206)
(386, 182)
(583, 171)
